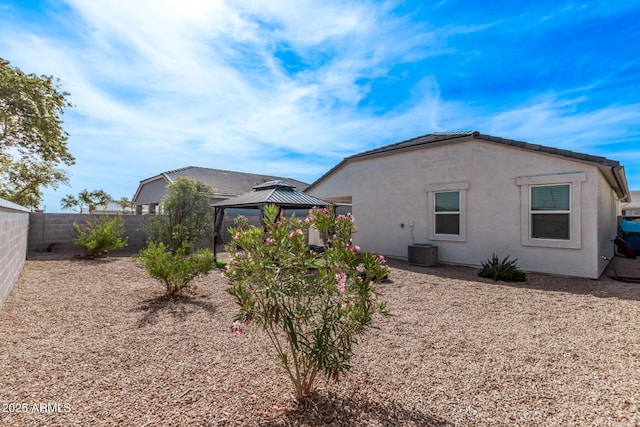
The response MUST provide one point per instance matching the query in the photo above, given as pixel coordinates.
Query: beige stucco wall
(608, 211)
(388, 194)
(152, 192)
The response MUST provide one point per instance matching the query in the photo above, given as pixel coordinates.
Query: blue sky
(290, 88)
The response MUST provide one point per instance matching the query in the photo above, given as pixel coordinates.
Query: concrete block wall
(53, 232)
(14, 229)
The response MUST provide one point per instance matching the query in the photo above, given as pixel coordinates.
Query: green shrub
(313, 306)
(241, 222)
(186, 219)
(175, 270)
(505, 269)
(100, 234)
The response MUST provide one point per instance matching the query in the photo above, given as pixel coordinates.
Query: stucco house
(226, 184)
(473, 195)
(632, 209)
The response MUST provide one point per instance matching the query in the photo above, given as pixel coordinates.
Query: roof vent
(277, 184)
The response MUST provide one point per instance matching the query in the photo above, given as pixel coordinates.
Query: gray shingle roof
(420, 140)
(277, 192)
(444, 137)
(225, 183)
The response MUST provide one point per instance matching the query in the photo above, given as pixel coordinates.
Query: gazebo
(279, 193)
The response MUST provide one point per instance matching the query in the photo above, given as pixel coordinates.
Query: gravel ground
(96, 343)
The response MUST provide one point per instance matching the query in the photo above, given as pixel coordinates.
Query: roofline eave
(621, 180)
(147, 181)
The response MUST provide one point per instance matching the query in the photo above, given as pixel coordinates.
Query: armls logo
(51, 408)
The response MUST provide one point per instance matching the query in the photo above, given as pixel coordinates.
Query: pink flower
(355, 249)
(342, 281)
(269, 241)
(238, 235)
(360, 269)
(346, 305)
(296, 232)
(229, 267)
(237, 328)
(323, 212)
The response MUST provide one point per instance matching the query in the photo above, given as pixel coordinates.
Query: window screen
(448, 202)
(551, 212)
(447, 213)
(550, 198)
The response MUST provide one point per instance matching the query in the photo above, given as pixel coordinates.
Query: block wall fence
(14, 229)
(53, 232)
(23, 232)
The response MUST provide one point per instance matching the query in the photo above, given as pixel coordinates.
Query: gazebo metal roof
(277, 192)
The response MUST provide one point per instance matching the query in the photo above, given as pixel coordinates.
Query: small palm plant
(505, 269)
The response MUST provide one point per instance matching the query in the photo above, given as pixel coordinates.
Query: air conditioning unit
(423, 254)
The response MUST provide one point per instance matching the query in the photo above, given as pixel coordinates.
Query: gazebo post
(218, 217)
(261, 209)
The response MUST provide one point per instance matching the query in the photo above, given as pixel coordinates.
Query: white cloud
(199, 82)
(562, 124)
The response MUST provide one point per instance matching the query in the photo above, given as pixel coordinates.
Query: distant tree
(90, 199)
(70, 203)
(94, 199)
(186, 216)
(174, 254)
(33, 143)
(125, 204)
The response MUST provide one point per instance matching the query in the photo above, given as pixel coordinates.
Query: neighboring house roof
(634, 202)
(613, 170)
(277, 192)
(225, 183)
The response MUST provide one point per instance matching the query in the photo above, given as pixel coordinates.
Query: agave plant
(505, 269)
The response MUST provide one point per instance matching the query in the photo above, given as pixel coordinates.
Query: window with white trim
(447, 211)
(550, 212)
(550, 207)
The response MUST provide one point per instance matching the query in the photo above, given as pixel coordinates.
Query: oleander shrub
(502, 269)
(175, 269)
(176, 251)
(313, 305)
(100, 234)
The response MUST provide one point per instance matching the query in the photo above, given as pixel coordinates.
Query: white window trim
(432, 189)
(575, 230)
